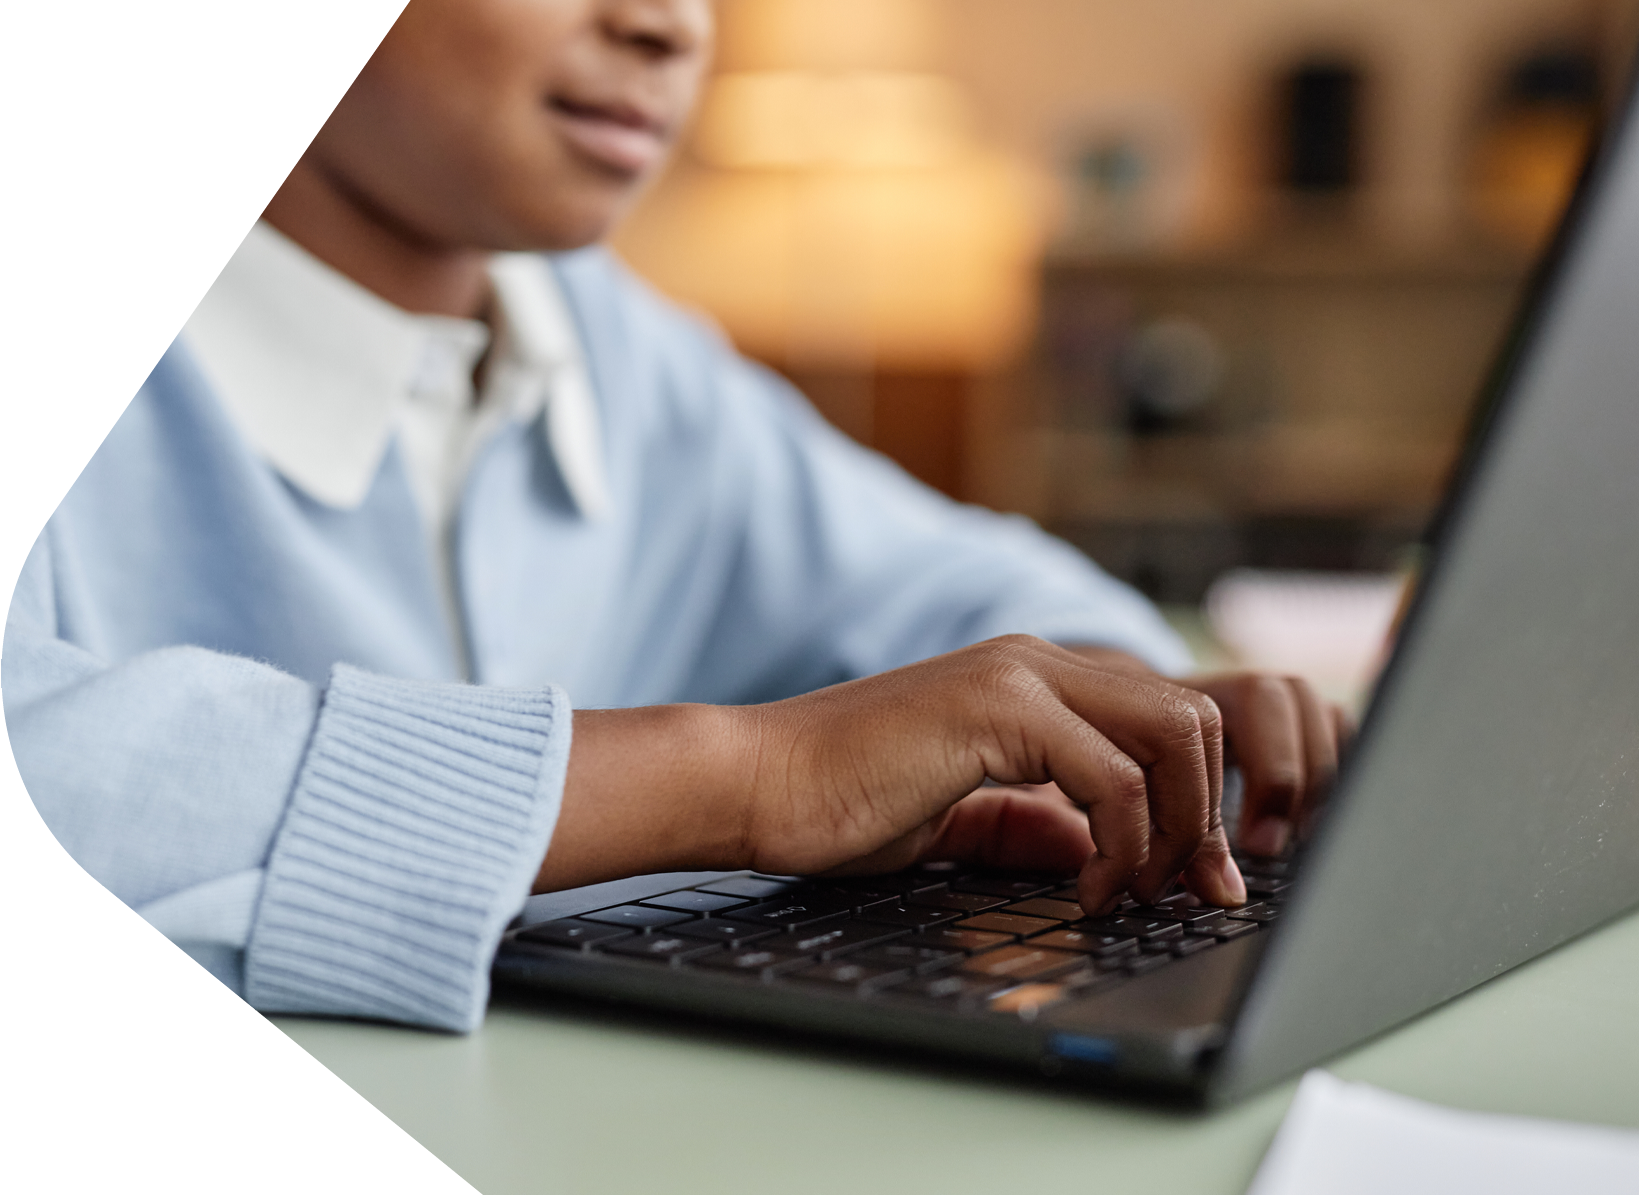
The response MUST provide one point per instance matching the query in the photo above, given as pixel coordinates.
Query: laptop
(1487, 812)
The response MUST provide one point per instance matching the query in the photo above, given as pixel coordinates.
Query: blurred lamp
(1527, 159)
(845, 217)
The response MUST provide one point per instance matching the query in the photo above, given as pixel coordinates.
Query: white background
(138, 142)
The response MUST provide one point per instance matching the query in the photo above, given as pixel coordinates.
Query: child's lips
(618, 136)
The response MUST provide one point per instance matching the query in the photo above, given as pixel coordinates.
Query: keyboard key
(1021, 962)
(1188, 904)
(969, 941)
(857, 899)
(849, 974)
(1011, 889)
(958, 902)
(660, 947)
(1097, 945)
(1131, 927)
(756, 962)
(690, 901)
(907, 954)
(858, 892)
(1261, 887)
(1007, 923)
(1028, 999)
(571, 932)
(1183, 914)
(1054, 910)
(904, 883)
(643, 920)
(730, 933)
(1188, 946)
(1253, 912)
(911, 918)
(958, 988)
(1103, 974)
(1143, 964)
(1068, 892)
(749, 887)
(1179, 900)
(1251, 865)
(792, 914)
(1223, 929)
(828, 941)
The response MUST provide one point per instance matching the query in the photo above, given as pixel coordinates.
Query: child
(284, 670)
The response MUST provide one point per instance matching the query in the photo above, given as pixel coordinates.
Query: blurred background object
(1199, 286)
(1332, 628)
(1533, 143)
(839, 214)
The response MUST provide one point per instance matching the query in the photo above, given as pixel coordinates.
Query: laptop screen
(1491, 808)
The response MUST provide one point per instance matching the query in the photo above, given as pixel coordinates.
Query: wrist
(659, 788)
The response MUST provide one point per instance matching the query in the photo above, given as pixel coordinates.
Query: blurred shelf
(1331, 387)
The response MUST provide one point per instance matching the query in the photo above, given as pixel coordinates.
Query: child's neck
(343, 230)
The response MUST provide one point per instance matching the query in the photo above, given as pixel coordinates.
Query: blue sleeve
(353, 851)
(848, 566)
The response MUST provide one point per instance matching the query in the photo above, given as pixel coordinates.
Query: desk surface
(541, 1100)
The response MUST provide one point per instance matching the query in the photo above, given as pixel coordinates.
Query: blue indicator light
(1100, 1050)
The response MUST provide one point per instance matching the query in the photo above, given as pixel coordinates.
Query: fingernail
(1268, 836)
(1234, 885)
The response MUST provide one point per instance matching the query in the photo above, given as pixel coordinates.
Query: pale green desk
(548, 1102)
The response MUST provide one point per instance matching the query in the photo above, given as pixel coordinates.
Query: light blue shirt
(239, 707)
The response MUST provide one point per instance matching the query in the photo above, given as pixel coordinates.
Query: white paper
(1331, 628)
(1343, 1138)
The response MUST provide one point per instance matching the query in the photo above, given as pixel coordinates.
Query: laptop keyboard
(938, 934)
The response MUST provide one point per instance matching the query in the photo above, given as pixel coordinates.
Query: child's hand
(877, 772)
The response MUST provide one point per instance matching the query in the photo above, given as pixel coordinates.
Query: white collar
(314, 369)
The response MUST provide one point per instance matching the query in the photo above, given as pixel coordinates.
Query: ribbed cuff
(417, 823)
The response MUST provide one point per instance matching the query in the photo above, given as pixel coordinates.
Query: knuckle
(1010, 667)
(1209, 715)
(1128, 784)
(1264, 687)
(1010, 680)
(1179, 719)
(1018, 644)
(1005, 652)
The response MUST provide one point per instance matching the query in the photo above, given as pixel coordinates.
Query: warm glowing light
(917, 269)
(836, 208)
(1524, 172)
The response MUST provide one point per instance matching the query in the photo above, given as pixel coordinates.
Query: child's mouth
(618, 136)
